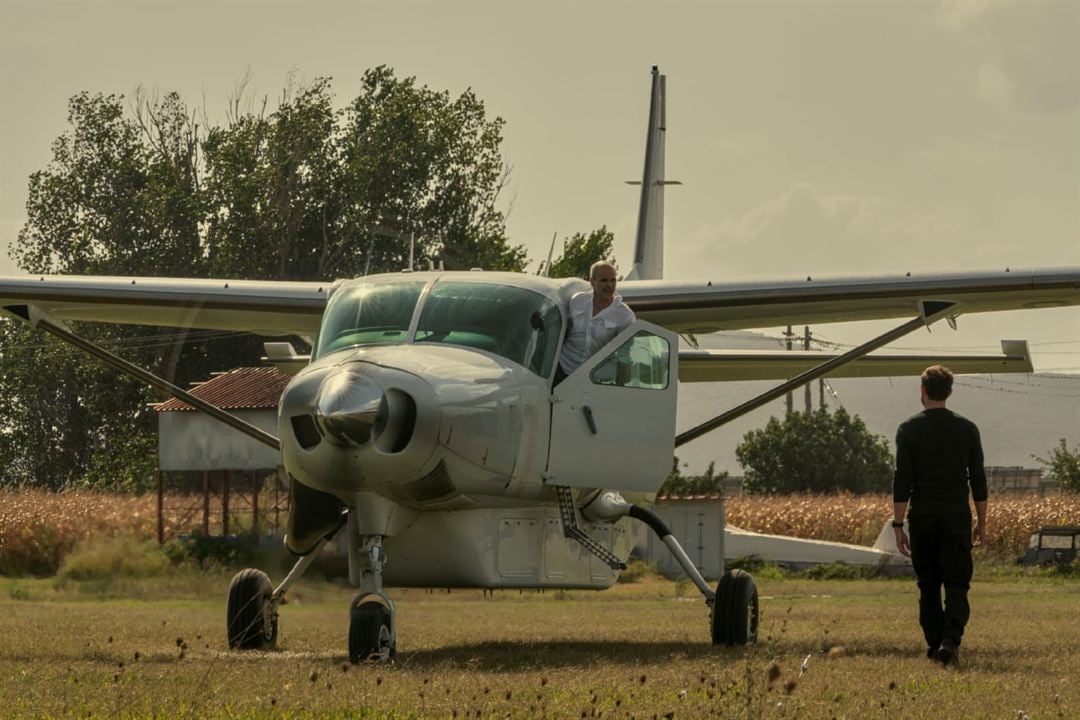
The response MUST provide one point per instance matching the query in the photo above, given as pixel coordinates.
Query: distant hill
(1019, 415)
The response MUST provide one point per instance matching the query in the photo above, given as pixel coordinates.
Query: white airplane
(425, 419)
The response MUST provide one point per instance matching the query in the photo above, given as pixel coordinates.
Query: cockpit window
(377, 314)
(516, 324)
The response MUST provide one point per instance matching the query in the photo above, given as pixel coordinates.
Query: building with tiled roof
(191, 440)
(252, 388)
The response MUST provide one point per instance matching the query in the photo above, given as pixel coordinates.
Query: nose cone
(350, 406)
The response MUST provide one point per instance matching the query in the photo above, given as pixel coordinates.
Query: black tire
(370, 632)
(735, 613)
(250, 626)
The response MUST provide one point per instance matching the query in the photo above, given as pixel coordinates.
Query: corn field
(39, 529)
(859, 518)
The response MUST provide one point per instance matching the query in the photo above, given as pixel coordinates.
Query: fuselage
(429, 389)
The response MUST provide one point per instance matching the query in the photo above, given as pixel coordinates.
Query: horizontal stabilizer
(735, 365)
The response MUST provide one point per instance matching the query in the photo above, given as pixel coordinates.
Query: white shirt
(588, 333)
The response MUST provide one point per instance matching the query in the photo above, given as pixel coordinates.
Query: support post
(160, 509)
(206, 503)
(790, 398)
(930, 311)
(39, 320)
(225, 504)
(806, 346)
(255, 503)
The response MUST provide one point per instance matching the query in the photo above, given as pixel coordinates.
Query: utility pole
(821, 393)
(790, 399)
(806, 346)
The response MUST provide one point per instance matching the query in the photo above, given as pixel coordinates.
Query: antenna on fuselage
(545, 267)
(649, 243)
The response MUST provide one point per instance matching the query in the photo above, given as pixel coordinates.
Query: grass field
(156, 647)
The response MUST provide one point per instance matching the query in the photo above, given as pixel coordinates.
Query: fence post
(255, 487)
(225, 504)
(206, 503)
(160, 509)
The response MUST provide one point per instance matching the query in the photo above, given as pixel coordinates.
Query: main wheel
(252, 621)
(370, 632)
(735, 610)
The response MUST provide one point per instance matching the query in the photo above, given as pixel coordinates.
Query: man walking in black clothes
(938, 456)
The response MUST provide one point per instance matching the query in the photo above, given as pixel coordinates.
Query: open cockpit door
(613, 419)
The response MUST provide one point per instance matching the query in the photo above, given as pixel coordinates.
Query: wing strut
(37, 319)
(930, 311)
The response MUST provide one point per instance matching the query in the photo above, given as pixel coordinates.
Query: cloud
(1030, 51)
(807, 231)
(799, 231)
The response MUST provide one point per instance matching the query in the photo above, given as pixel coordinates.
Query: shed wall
(195, 441)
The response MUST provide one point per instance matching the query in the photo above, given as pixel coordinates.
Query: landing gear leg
(372, 627)
(733, 608)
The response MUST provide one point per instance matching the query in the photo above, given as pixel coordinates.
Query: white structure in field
(698, 524)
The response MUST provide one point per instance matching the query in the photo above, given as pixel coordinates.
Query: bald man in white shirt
(595, 317)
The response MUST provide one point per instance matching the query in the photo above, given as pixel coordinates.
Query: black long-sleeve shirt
(938, 455)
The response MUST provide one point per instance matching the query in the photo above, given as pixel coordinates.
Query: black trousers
(941, 556)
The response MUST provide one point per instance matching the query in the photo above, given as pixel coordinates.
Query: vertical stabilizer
(649, 244)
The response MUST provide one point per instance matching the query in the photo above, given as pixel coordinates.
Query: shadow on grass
(516, 656)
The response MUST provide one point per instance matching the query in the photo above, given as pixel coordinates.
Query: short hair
(937, 379)
(599, 263)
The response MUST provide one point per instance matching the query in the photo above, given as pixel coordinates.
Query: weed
(636, 571)
(111, 557)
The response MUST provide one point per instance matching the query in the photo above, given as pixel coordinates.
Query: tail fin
(649, 245)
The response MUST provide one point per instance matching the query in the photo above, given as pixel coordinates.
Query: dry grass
(858, 518)
(39, 529)
(636, 651)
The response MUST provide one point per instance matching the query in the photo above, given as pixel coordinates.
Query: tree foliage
(306, 190)
(1063, 466)
(679, 485)
(580, 251)
(815, 452)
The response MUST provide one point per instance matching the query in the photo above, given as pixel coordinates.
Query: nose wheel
(372, 626)
(371, 630)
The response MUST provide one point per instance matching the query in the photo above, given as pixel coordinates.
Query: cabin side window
(640, 362)
(519, 325)
(376, 314)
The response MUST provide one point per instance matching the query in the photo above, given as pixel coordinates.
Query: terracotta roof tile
(239, 389)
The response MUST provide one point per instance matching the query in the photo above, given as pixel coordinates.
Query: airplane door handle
(587, 411)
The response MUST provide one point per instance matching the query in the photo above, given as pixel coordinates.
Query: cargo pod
(613, 419)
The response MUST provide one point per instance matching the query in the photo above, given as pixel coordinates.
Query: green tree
(580, 251)
(1063, 466)
(709, 483)
(299, 191)
(815, 452)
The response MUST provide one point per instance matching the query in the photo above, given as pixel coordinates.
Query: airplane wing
(700, 307)
(278, 308)
(264, 307)
(738, 365)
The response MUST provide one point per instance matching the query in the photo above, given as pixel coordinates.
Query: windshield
(516, 324)
(368, 315)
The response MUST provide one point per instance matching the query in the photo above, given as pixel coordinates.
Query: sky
(816, 139)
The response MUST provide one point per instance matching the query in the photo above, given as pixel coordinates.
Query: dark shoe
(931, 653)
(948, 655)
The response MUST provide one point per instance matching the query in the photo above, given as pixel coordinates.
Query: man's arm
(901, 490)
(979, 492)
(902, 542)
(978, 534)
